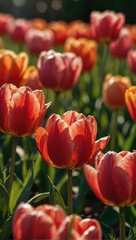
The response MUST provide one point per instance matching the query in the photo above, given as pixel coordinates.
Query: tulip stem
(113, 129)
(103, 65)
(122, 231)
(70, 201)
(12, 165)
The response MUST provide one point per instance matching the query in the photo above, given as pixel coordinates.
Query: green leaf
(39, 197)
(4, 204)
(17, 188)
(27, 188)
(55, 196)
(6, 230)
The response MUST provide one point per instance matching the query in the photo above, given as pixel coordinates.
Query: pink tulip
(120, 47)
(37, 40)
(131, 59)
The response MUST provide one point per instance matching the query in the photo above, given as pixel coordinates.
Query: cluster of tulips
(69, 140)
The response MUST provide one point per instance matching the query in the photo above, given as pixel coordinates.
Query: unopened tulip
(17, 28)
(84, 48)
(22, 110)
(130, 98)
(105, 26)
(120, 47)
(78, 228)
(113, 180)
(39, 23)
(114, 88)
(79, 29)
(59, 71)
(13, 67)
(37, 223)
(69, 141)
(37, 40)
(131, 59)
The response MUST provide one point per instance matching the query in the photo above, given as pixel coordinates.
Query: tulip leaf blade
(55, 197)
(39, 197)
(4, 204)
(6, 230)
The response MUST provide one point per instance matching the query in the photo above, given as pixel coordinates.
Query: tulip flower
(130, 99)
(68, 141)
(120, 47)
(114, 88)
(60, 30)
(131, 60)
(39, 23)
(13, 67)
(39, 40)
(32, 78)
(5, 18)
(79, 29)
(17, 28)
(22, 110)
(37, 223)
(105, 26)
(113, 180)
(84, 48)
(78, 228)
(59, 71)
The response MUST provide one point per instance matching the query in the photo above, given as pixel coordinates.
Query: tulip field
(68, 128)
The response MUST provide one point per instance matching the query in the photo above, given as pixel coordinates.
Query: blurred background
(67, 10)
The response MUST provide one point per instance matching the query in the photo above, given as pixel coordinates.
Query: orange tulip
(13, 67)
(60, 30)
(39, 40)
(114, 88)
(31, 76)
(86, 229)
(17, 28)
(59, 71)
(113, 180)
(22, 110)
(79, 29)
(39, 23)
(69, 141)
(85, 48)
(105, 26)
(130, 98)
(37, 223)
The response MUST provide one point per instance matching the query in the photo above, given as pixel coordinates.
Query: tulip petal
(90, 229)
(72, 116)
(41, 141)
(119, 186)
(60, 145)
(91, 178)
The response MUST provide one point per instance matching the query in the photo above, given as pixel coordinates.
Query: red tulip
(69, 141)
(5, 18)
(59, 71)
(130, 98)
(78, 228)
(120, 47)
(37, 40)
(13, 67)
(131, 59)
(84, 48)
(113, 180)
(36, 223)
(114, 88)
(17, 28)
(22, 110)
(105, 26)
